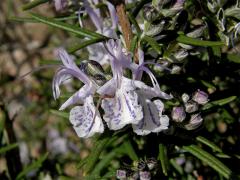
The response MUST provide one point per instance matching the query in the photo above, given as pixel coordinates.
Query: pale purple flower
(178, 114)
(104, 26)
(145, 175)
(191, 106)
(85, 119)
(185, 97)
(200, 97)
(195, 121)
(67, 70)
(123, 108)
(131, 102)
(121, 174)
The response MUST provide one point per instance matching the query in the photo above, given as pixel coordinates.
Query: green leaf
(106, 160)
(129, 150)
(233, 12)
(84, 44)
(209, 159)
(35, 165)
(220, 102)
(8, 148)
(31, 20)
(222, 155)
(2, 122)
(60, 113)
(93, 157)
(111, 174)
(22, 19)
(197, 42)
(33, 4)
(233, 58)
(176, 166)
(216, 51)
(70, 28)
(139, 7)
(82, 163)
(134, 44)
(134, 22)
(208, 85)
(162, 156)
(209, 143)
(153, 43)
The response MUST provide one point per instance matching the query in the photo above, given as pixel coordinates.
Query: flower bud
(191, 107)
(145, 175)
(197, 32)
(200, 97)
(151, 163)
(178, 114)
(212, 6)
(134, 176)
(150, 13)
(181, 54)
(175, 69)
(195, 122)
(94, 70)
(121, 174)
(221, 19)
(141, 165)
(185, 97)
(179, 4)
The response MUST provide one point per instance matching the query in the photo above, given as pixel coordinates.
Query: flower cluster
(191, 107)
(143, 170)
(125, 99)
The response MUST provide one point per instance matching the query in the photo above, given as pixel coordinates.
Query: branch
(125, 25)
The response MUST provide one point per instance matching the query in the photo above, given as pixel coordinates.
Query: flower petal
(96, 19)
(79, 96)
(62, 75)
(84, 120)
(113, 15)
(109, 88)
(153, 120)
(98, 53)
(66, 59)
(121, 110)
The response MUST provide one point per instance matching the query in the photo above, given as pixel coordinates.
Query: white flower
(86, 119)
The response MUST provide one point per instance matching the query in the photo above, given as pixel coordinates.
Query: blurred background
(27, 101)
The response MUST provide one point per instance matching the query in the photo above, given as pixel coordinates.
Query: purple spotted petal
(121, 110)
(153, 120)
(86, 120)
(110, 87)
